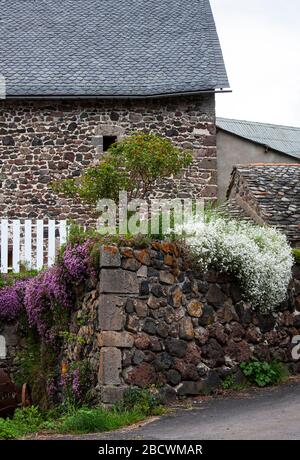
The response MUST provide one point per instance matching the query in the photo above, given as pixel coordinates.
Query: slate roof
(109, 47)
(271, 191)
(284, 139)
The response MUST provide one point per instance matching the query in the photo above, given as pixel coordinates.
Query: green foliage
(133, 164)
(78, 235)
(87, 420)
(27, 362)
(35, 365)
(137, 405)
(143, 400)
(263, 374)
(10, 278)
(296, 254)
(229, 383)
(24, 421)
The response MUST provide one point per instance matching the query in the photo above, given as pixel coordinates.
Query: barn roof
(284, 139)
(109, 48)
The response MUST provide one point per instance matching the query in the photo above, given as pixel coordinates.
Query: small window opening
(108, 141)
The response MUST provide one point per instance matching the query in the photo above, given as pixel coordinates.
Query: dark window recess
(10, 257)
(108, 141)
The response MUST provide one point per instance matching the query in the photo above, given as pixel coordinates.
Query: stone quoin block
(110, 366)
(111, 316)
(118, 281)
(109, 256)
(115, 339)
(112, 394)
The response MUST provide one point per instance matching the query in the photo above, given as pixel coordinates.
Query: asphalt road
(256, 414)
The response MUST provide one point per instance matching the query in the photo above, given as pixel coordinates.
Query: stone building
(81, 74)
(268, 194)
(240, 142)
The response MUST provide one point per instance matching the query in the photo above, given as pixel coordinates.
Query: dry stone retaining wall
(161, 323)
(150, 319)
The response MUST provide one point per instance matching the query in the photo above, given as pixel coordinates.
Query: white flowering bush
(259, 257)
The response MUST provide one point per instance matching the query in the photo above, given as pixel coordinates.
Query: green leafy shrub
(296, 254)
(143, 400)
(24, 421)
(263, 374)
(133, 164)
(229, 383)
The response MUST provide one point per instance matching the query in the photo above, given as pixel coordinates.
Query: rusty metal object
(9, 395)
(25, 396)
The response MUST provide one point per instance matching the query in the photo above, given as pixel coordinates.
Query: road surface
(255, 414)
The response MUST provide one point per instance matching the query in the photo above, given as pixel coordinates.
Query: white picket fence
(32, 243)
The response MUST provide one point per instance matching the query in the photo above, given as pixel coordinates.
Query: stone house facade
(72, 88)
(46, 140)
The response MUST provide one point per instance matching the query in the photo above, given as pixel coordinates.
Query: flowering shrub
(259, 257)
(77, 261)
(43, 294)
(73, 383)
(47, 297)
(11, 300)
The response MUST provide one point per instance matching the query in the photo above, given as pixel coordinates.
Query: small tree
(133, 164)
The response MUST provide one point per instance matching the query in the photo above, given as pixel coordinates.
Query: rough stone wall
(13, 344)
(150, 319)
(155, 321)
(239, 191)
(45, 140)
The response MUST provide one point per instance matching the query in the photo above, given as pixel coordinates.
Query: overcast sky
(261, 45)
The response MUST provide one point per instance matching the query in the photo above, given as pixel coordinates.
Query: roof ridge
(269, 165)
(258, 123)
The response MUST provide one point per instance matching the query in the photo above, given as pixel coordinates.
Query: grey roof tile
(109, 47)
(272, 192)
(285, 139)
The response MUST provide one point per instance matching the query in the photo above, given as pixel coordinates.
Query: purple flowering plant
(12, 300)
(47, 298)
